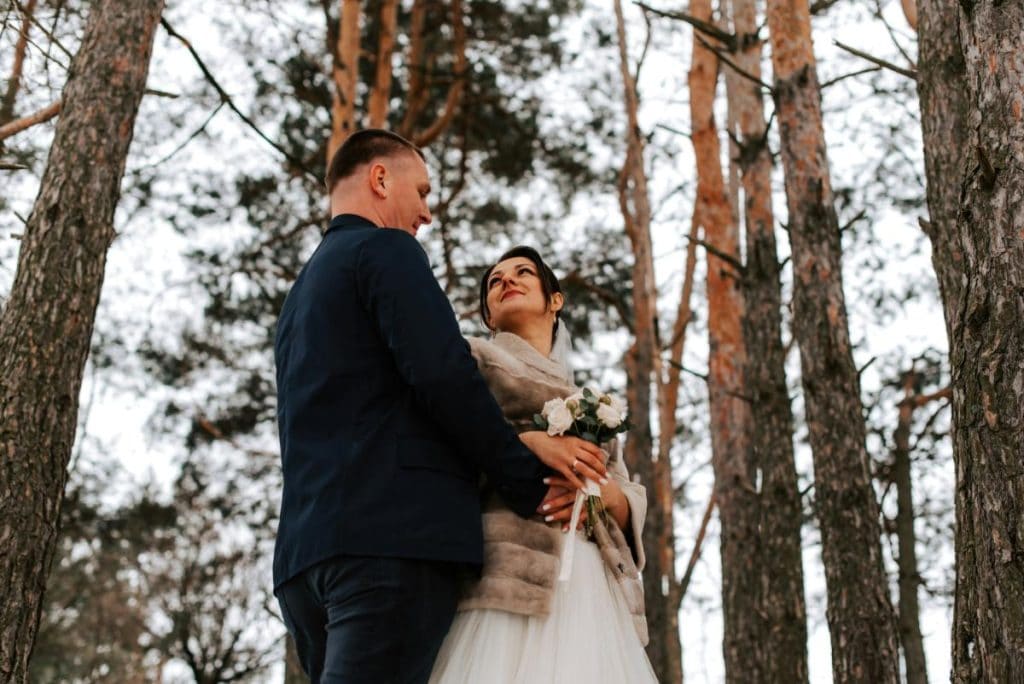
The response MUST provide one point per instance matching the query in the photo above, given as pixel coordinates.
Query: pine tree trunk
(380, 93)
(909, 578)
(780, 605)
(730, 412)
(942, 90)
(860, 615)
(46, 327)
(345, 74)
(642, 366)
(987, 352)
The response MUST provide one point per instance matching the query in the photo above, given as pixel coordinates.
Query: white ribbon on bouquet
(590, 488)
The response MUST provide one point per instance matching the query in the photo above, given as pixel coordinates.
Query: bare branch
(909, 73)
(837, 79)
(226, 99)
(728, 258)
(25, 122)
(735, 67)
(821, 6)
(458, 85)
(727, 39)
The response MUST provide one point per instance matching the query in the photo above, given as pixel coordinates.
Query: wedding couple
(424, 520)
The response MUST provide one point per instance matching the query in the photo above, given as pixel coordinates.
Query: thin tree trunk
(909, 577)
(780, 605)
(416, 90)
(730, 413)
(860, 614)
(46, 327)
(453, 99)
(380, 93)
(293, 673)
(987, 352)
(14, 82)
(642, 366)
(345, 74)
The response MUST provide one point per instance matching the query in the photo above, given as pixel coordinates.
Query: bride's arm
(636, 503)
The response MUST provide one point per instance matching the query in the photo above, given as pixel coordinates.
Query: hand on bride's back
(571, 457)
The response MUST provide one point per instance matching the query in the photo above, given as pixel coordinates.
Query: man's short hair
(363, 147)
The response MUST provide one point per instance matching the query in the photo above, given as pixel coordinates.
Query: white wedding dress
(588, 638)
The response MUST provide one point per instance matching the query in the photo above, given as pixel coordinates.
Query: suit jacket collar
(348, 222)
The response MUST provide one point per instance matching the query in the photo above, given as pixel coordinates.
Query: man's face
(407, 191)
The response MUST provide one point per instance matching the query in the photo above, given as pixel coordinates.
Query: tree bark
(860, 615)
(46, 327)
(642, 366)
(942, 91)
(14, 82)
(380, 93)
(781, 653)
(730, 426)
(345, 74)
(987, 352)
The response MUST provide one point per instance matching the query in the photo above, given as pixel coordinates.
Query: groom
(386, 426)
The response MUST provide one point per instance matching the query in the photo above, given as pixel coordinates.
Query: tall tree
(860, 615)
(987, 350)
(642, 367)
(909, 612)
(781, 645)
(344, 43)
(46, 326)
(734, 488)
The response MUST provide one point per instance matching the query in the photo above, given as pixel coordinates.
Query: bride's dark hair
(548, 282)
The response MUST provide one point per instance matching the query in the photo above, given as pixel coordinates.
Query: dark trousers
(367, 619)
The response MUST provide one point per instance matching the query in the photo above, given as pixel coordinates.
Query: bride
(522, 623)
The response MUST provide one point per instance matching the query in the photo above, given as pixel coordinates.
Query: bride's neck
(537, 336)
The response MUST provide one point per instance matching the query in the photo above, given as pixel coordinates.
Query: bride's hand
(558, 502)
(572, 457)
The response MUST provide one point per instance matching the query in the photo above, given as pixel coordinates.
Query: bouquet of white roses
(590, 415)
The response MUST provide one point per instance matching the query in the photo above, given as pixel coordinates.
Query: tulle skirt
(588, 638)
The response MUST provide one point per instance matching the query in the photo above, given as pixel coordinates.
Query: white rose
(618, 404)
(558, 415)
(609, 416)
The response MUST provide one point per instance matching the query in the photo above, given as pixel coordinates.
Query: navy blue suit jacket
(385, 422)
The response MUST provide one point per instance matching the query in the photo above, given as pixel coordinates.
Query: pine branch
(728, 258)
(25, 122)
(226, 99)
(727, 39)
(837, 79)
(909, 73)
(735, 67)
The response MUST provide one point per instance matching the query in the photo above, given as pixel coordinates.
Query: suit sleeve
(416, 321)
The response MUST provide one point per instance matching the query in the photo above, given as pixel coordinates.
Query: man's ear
(379, 180)
(557, 302)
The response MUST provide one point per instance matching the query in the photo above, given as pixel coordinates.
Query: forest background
(535, 134)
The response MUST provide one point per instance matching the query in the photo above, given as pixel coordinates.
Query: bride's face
(515, 296)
